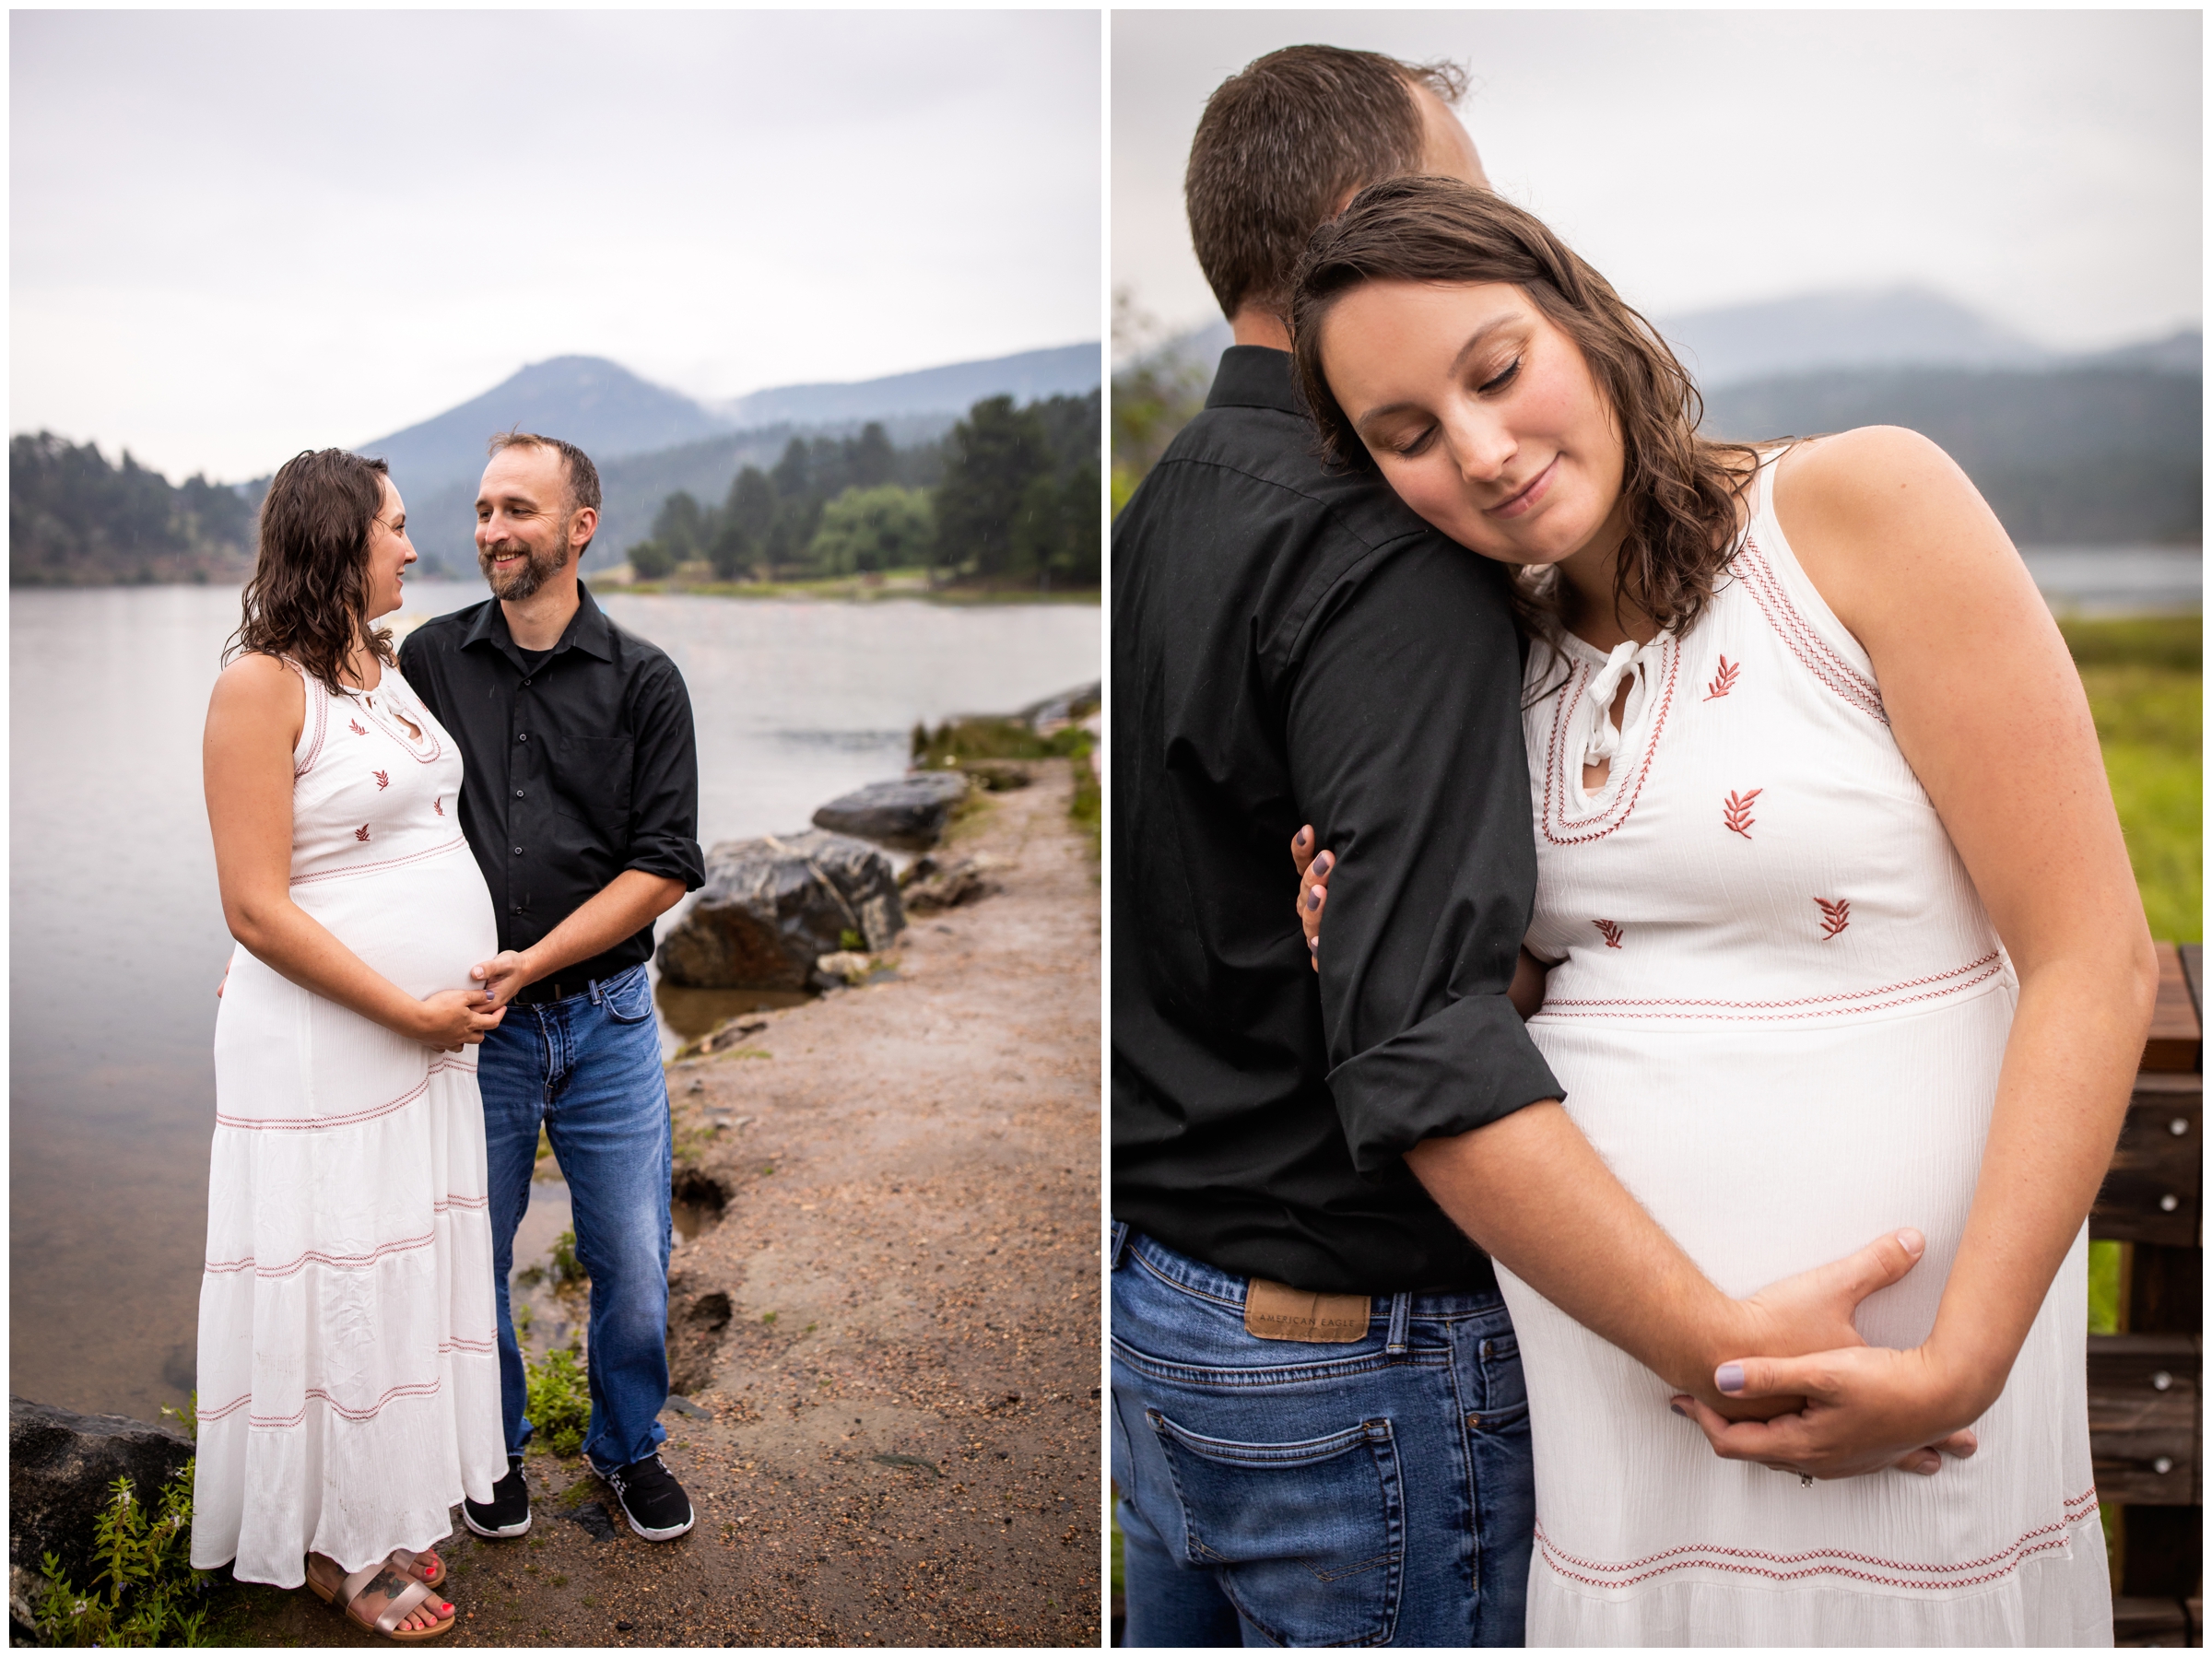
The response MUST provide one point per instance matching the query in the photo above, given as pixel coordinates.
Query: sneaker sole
(672, 1532)
(501, 1535)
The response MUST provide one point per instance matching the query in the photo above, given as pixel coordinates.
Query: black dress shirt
(574, 770)
(1294, 645)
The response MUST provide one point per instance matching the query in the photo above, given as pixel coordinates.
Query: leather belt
(548, 989)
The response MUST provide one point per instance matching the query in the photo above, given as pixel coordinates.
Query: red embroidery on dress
(363, 832)
(1738, 812)
(1556, 758)
(381, 780)
(1893, 1573)
(1834, 917)
(359, 729)
(438, 806)
(1821, 658)
(1610, 930)
(1725, 680)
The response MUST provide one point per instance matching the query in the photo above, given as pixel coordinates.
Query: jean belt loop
(594, 988)
(1401, 1314)
(1117, 1242)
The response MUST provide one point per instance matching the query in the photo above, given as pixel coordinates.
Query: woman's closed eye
(1510, 372)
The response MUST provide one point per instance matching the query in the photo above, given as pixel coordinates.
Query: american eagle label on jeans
(1275, 1311)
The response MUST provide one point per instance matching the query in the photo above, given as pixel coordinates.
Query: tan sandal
(379, 1598)
(412, 1565)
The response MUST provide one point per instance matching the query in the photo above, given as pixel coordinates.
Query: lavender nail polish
(1729, 1378)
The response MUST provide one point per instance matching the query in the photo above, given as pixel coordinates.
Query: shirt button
(525, 684)
(518, 850)
(522, 736)
(518, 793)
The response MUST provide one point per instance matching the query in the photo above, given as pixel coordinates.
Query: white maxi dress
(1778, 1015)
(348, 1380)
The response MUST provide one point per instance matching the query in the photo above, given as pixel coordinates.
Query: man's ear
(582, 526)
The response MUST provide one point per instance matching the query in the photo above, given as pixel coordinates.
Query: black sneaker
(651, 1500)
(508, 1511)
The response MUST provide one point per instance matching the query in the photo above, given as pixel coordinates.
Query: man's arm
(663, 858)
(632, 900)
(1404, 734)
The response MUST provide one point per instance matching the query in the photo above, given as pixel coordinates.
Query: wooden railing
(2146, 1431)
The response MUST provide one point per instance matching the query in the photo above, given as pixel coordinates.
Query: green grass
(2150, 724)
(2144, 679)
(559, 1400)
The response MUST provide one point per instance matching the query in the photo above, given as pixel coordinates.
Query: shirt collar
(1255, 376)
(588, 629)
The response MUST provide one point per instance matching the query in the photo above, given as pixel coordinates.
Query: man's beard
(538, 569)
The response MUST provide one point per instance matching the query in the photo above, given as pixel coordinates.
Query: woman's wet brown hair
(1682, 490)
(309, 596)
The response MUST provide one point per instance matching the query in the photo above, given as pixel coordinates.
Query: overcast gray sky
(2044, 167)
(238, 234)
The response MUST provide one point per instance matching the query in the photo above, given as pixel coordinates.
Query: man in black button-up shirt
(1319, 1428)
(580, 799)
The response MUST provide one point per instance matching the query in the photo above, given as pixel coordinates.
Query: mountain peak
(599, 406)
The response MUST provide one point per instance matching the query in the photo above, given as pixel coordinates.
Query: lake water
(117, 937)
(2118, 581)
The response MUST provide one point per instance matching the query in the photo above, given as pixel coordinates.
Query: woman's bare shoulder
(1881, 514)
(1872, 478)
(258, 688)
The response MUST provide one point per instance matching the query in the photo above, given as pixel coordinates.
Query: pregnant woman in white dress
(348, 1381)
(1839, 936)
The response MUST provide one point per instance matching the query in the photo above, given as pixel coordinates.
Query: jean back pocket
(1308, 1537)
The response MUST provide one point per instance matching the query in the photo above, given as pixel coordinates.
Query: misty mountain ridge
(1896, 327)
(613, 414)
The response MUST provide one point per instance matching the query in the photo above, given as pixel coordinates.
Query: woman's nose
(1482, 448)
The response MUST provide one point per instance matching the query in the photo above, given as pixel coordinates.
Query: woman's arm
(1987, 707)
(254, 722)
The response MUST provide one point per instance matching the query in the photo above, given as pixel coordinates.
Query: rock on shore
(59, 1467)
(773, 907)
(907, 812)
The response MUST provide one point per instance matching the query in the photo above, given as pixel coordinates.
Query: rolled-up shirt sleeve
(1404, 728)
(664, 825)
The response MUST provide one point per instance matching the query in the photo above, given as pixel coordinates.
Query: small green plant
(187, 1418)
(567, 1271)
(767, 1317)
(145, 1562)
(851, 940)
(523, 1315)
(559, 1399)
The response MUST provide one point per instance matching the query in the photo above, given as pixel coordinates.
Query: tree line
(1008, 497)
(75, 520)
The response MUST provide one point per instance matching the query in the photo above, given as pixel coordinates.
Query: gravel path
(890, 1342)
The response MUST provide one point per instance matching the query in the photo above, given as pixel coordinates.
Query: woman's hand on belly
(1865, 1408)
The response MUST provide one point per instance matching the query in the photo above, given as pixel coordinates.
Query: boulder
(934, 884)
(907, 812)
(60, 1465)
(773, 907)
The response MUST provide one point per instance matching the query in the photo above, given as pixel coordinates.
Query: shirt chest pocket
(591, 783)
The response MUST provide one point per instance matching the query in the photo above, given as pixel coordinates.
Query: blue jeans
(1290, 1493)
(589, 1068)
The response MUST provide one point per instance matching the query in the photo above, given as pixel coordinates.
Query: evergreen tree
(992, 458)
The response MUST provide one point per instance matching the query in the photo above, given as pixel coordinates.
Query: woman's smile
(1526, 499)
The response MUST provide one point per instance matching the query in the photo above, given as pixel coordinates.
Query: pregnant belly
(1766, 1153)
(422, 925)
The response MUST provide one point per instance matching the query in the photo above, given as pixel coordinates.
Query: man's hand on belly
(1863, 1409)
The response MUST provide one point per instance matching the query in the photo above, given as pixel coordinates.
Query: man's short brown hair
(582, 477)
(1282, 143)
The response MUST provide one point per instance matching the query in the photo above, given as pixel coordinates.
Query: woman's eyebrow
(1476, 338)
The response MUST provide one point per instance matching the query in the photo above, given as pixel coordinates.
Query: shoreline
(884, 1352)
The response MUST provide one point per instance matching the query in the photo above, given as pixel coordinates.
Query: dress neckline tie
(1601, 738)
